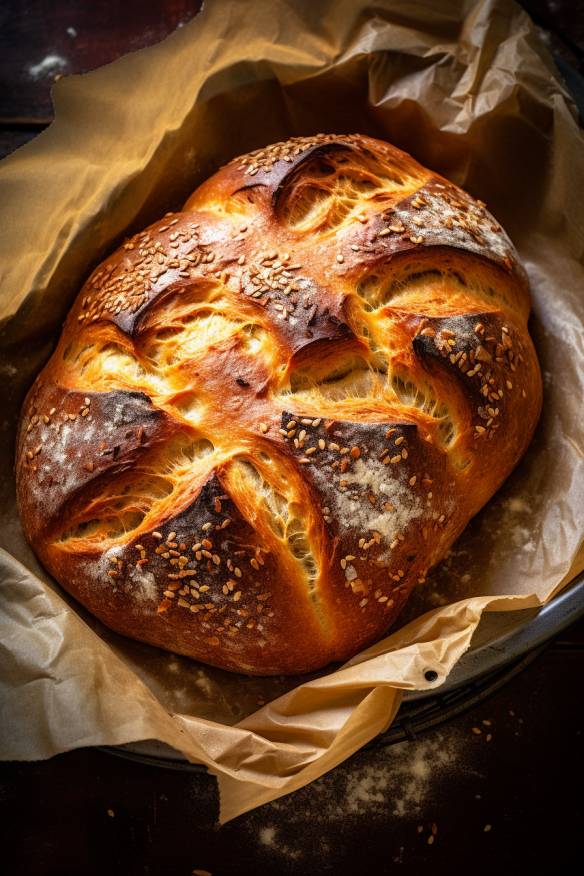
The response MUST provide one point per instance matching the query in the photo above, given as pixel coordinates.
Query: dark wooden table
(497, 789)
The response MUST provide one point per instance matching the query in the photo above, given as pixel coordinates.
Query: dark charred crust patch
(70, 439)
(283, 174)
(376, 497)
(321, 326)
(437, 215)
(273, 163)
(484, 352)
(368, 462)
(210, 569)
(294, 302)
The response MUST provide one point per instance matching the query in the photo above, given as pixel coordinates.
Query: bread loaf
(269, 414)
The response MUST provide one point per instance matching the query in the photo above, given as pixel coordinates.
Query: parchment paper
(468, 89)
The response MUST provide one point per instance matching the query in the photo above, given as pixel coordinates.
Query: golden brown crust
(268, 415)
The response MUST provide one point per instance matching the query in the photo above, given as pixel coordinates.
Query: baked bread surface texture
(269, 414)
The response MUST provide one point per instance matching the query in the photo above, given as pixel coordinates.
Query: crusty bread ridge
(271, 413)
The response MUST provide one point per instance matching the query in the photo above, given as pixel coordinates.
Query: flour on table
(268, 837)
(396, 782)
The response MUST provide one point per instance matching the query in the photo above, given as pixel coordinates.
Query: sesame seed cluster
(206, 571)
(125, 285)
(263, 160)
(314, 363)
(438, 215)
(489, 356)
(272, 277)
(372, 494)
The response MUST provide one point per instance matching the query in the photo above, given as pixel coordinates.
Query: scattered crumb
(487, 828)
(267, 836)
(72, 32)
(516, 505)
(50, 65)
(399, 858)
(111, 813)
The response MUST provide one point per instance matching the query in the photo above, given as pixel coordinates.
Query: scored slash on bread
(270, 414)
